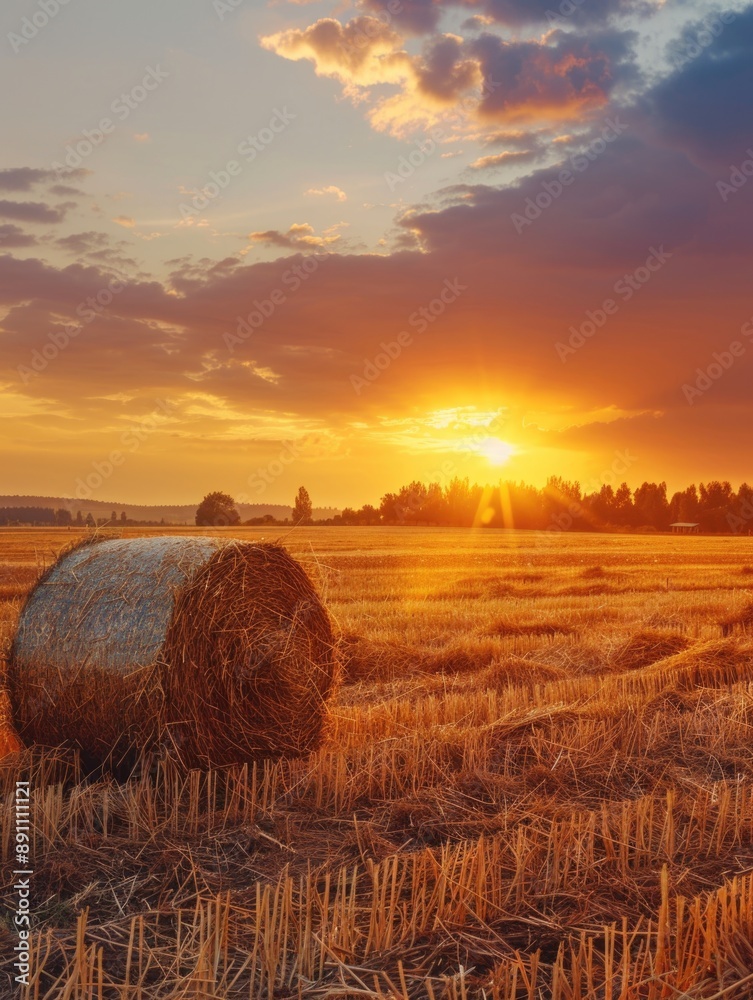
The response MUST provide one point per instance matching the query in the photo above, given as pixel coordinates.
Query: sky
(248, 246)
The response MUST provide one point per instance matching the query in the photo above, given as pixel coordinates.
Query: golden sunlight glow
(496, 451)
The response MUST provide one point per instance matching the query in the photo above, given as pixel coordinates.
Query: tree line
(63, 518)
(561, 505)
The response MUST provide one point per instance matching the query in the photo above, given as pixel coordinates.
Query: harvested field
(536, 782)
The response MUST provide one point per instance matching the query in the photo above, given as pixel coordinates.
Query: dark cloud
(705, 106)
(413, 16)
(564, 78)
(444, 73)
(64, 189)
(301, 235)
(113, 257)
(521, 12)
(13, 236)
(31, 211)
(81, 243)
(25, 178)
(423, 16)
(627, 197)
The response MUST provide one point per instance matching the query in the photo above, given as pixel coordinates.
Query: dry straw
(220, 650)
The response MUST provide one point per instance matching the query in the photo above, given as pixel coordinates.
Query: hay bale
(219, 649)
(9, 741)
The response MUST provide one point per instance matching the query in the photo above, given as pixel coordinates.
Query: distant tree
(217, 510)
(652, 506)
(123, 517)
(368, 514)
(715, 501)
(623, 505)
(303, 510)
(113, 517)
(79, 518)
(27, 515)
(63, 517)
(90, 522)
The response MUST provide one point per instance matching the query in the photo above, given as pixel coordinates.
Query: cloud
(704, 106)
(31, 211)
(364, 51)
(504, 159)
(444, 73)
(423, 16)
(25, 178)
(558, 77)
(65, 189)
(81, 243)
(331, 190)
(478, 22)
(628, 197)
(411, 16)
(125, 220)
(299, 235)
(525, 288)
(13, 236)
(559, 80)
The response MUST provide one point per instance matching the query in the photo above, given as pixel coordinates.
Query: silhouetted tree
(303, 509)
(652, 506)
(217, 510)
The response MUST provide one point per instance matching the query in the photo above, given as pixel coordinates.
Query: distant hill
(170, 513)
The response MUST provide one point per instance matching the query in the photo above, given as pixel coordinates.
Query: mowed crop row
(537, 782)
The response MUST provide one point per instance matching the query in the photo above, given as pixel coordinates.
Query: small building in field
(685, 528)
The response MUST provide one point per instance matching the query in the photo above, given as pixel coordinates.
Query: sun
(496, 451)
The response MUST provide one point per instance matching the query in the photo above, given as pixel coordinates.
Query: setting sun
(496, 451)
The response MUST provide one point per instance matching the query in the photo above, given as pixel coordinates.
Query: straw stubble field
(537, 782)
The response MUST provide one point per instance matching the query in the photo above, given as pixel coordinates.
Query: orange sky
(351, 248)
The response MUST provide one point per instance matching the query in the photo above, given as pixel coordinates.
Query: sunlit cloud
(330, 191)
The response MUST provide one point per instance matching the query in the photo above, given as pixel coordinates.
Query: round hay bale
(9, 741)
(221, 650)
